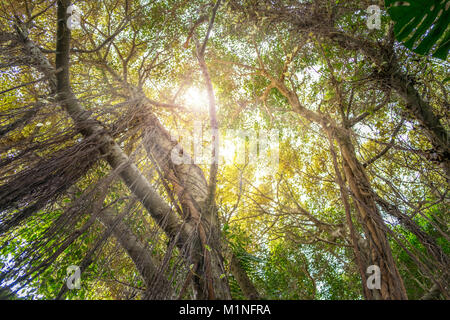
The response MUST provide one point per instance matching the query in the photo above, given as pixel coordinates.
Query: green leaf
(422, 25)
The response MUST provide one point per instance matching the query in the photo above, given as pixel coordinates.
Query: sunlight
(196, 99)
(227, 150)
(224, 150)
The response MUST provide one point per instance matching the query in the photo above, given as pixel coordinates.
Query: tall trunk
(136, 182)
(118, 160)
(379, 251)
(191, 188)
(379, 254)
(441, 260)
(362, 263)
(197, 197)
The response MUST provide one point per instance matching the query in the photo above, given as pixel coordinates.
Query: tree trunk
(244, 282)
(379, 251)
(158, 287)
(185, 234)
(191, 188)
(380, 254)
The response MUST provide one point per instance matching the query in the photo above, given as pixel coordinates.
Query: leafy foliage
(287, 225)
(422, 25)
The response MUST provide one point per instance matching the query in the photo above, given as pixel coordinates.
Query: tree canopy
(229, 149)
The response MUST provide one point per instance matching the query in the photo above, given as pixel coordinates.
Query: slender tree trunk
(362, 263)
(244, 282)
(158, 287)
(392, 287)
(380, 254)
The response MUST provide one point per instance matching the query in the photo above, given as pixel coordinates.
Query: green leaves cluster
(422, 25)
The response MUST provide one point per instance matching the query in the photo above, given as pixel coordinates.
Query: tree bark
(132, 177)
(392, 287)
(190, 186)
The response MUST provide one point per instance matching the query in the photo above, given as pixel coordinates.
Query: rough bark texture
(348, 215)
(380, 254)
(189, 234)
(192, 189)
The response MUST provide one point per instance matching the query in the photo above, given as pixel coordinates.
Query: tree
(93, 174)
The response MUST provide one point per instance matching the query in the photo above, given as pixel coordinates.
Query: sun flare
(196, 99)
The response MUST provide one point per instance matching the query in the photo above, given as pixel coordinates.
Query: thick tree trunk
(191, 188)
(137, 183)
(380, 254)
(191, 236)
(360, 260)
(118, 160)
(185, 234)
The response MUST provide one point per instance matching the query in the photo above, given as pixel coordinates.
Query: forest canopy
(229, 149)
